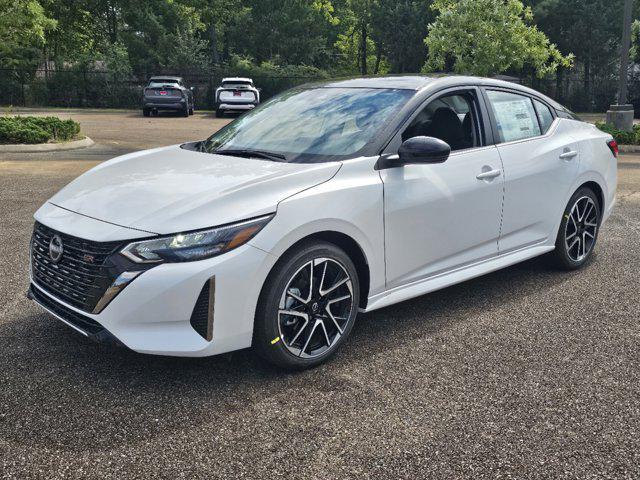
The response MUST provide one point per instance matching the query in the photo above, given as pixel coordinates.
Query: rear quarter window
(544, 115)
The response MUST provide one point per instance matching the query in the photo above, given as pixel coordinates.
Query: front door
(440, 217)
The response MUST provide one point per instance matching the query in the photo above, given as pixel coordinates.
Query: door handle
(488, 175)
(568, 155)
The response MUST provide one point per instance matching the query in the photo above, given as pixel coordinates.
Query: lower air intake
(202, 316)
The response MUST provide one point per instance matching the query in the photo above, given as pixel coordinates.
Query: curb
(47, 147)
(629, 148)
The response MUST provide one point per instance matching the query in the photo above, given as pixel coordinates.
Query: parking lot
(524, 373)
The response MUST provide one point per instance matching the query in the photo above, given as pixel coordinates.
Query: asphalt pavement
(524, 373)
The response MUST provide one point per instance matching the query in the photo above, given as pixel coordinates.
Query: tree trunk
(213, 43)
(587, 77)
(112, 22)
(225, 47)
(559, 74)
(363, 49)
(376, 68)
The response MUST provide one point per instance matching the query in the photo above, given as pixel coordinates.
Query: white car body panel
(536, 181)
(350, 203)
(175, 190)
(425, 204)
(419, 227)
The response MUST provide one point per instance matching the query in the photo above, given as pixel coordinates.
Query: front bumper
(152, 314)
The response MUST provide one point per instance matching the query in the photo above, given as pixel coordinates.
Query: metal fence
(76, 87)
(596, 95)
(97, 89)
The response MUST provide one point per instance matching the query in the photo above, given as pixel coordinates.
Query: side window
(515, 117)
(451, 118)
(544, 115)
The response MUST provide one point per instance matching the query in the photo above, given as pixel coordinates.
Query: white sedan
(325, 201)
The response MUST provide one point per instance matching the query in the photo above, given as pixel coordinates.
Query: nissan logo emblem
(55, 249)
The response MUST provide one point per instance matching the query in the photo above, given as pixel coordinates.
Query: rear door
(541, 161)
(440, 217)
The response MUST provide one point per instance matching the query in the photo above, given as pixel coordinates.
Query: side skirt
(447, 279)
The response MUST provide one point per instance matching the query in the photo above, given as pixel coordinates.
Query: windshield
(312, 125)
(236, 85)
(161, 83)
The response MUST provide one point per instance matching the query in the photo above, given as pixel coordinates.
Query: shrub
(621, 136)
(37, 129)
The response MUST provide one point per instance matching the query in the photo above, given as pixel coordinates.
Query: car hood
(171, 189)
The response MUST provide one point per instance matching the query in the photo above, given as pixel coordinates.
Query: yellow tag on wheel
(275, 340)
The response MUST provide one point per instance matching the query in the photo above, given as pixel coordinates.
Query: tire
(578, 230)
(146, 112)
(191, 111)
(185, 111)
(219, 113)
(293, 341)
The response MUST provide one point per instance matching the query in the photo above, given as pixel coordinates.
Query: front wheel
(578, 230)
(307, 307)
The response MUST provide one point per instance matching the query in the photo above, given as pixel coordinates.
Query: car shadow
(61, 389)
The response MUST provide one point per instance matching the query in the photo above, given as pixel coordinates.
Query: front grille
(81, 276)
(76, 319)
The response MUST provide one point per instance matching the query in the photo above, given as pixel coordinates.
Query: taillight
(613, 146)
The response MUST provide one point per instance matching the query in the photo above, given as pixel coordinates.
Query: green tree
(285, 32)
(23, 26)
(488, 37)
(398, 28)
(590, 29)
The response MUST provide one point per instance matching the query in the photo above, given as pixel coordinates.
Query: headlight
(188, 247)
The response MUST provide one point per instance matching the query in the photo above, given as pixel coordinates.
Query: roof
(165, 77)
(429, 82)
(237, 79)
(405, 82)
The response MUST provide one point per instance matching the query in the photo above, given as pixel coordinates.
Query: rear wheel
(219, 113)
(185, 111)
(578, 230)
(307, 307)
(146, 112)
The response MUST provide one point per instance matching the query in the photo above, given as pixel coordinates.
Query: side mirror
(423, 150)
(416, 150)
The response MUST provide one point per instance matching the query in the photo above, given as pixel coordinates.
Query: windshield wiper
(247, 152)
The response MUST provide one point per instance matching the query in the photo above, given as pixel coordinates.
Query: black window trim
(515, 91)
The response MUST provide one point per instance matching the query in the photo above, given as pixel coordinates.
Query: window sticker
(515, 116)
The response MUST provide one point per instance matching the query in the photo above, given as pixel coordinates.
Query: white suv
(236, 94)
(323, 202)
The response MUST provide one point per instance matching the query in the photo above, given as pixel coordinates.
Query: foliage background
(100, 52)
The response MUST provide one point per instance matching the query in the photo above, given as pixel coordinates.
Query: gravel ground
(524, 373)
